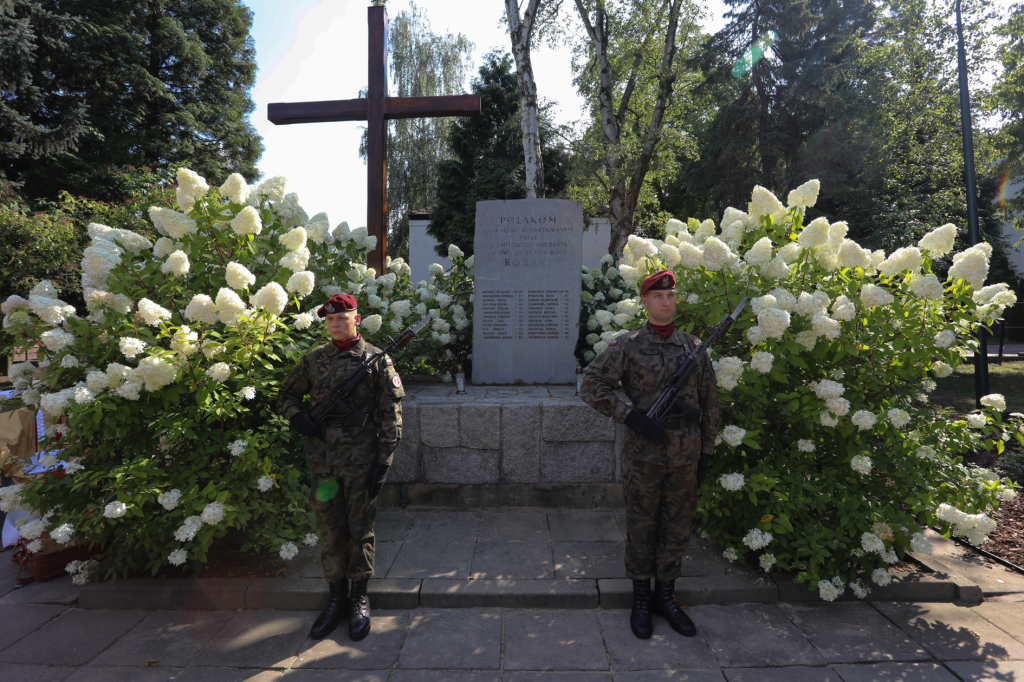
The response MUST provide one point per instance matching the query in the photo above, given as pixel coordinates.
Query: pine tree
(912, 179)
(784, 67)
(165, 81)
(40, 113)
(488, 158)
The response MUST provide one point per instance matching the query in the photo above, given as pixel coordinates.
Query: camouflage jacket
(379, 395)
(644, 362)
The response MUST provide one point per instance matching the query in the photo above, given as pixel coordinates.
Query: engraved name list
(528, 255)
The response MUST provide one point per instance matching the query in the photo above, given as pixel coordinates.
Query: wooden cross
(375, 109)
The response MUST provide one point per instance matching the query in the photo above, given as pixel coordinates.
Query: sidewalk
(507, 559)
(842, 642)
(511, 559)
(504, 561)
(1012, 350)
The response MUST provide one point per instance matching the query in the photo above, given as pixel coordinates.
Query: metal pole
(973, 231)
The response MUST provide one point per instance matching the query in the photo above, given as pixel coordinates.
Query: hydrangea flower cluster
(733, 435)
(974, 527)
(728, 371)
(731, 481)
(607, 311)
(757, 539)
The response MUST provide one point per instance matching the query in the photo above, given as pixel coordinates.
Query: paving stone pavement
(839, 642)
(527, 545)
(44, 636)
(494, 559)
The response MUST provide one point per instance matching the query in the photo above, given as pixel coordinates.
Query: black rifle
(337, 397)
(662, 409)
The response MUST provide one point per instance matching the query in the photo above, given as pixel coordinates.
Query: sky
(316, 50)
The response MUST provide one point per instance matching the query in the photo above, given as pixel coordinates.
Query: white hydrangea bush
(167, 383)
(608, 309)
(389, 303)
(829, 462)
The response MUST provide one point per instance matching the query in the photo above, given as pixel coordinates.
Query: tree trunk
(625, 192)
(620, 215)
(520, 31)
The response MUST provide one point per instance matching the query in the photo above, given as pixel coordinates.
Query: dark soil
(224, 560)
(1007, 541)
(906, 568)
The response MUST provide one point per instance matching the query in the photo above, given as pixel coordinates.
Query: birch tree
(520, 30)
(629, 68)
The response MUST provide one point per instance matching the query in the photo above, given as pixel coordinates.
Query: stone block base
(469, 496)
(499, 440)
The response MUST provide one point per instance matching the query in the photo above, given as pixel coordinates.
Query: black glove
(702, 468)
(646, 427)
(375, 478)
(302, 423)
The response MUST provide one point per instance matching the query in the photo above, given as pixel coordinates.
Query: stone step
(617, 593)
(976, 576)
(553, 594)
(310, 594)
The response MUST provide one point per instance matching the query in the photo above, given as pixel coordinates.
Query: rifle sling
(678, 411)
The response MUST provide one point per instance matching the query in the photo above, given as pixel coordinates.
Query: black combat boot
(665, 606)
(336, 609)
(640, 618)
(359, 611)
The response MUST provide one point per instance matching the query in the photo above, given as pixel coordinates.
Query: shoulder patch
(613, 342)
(388, 360)
(396, 381)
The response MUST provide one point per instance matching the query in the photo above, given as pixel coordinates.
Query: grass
(957, 390)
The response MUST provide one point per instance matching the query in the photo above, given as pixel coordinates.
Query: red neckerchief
(345, 345)
(663, 330)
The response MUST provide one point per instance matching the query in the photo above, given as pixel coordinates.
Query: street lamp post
(973, 230)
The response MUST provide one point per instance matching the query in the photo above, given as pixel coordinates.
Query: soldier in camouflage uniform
(663, 466)
(348, 470)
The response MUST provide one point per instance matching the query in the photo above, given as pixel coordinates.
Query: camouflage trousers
(345, 515)
(660, 502)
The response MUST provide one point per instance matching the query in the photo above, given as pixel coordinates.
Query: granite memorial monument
(528, 255)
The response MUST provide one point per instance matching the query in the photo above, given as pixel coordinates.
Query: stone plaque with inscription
(527, 259)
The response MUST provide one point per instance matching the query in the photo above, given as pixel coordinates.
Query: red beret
(338, 303)
(664, 279)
